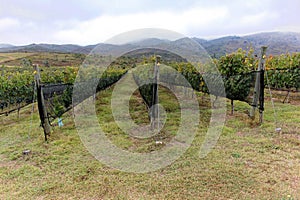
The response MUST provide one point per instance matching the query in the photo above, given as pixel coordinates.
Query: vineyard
(17, 87)
(237, 71)
(235, 169)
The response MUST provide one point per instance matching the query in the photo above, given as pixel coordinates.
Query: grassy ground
(248, 162)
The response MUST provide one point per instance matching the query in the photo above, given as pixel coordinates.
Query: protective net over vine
(237, 87)
(58, 99)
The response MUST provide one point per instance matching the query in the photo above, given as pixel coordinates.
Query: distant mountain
(68, 48)
(277, 42)
(84, 49)
(199, 40)
(149, 42)
(167, 56)
(6, 45)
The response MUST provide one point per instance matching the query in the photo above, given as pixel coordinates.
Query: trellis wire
(278, 129)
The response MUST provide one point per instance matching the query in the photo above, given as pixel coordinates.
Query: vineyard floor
(248, 162)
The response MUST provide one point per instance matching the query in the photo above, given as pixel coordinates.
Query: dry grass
(248, 162)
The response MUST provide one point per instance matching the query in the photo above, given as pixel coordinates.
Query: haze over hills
(277, 42)
(6, 46)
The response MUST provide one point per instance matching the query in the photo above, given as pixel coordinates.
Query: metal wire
(32, 110)
(277, 129)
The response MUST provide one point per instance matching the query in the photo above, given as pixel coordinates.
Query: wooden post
(19, 108)
(154, 107)
(232, 107)
(262, 85)
(41, 103)
(258, 91)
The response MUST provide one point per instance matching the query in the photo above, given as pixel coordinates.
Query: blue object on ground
(60, 123)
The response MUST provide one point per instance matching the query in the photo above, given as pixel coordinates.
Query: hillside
(278, 43)
(68, 48)
(6, 45)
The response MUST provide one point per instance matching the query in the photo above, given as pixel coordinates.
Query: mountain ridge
(277, 42)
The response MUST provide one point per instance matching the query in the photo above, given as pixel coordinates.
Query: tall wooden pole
(41, 103)
(154, 107)
(259, 86)
(262, 85)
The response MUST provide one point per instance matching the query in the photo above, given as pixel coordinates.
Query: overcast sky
(92, 21)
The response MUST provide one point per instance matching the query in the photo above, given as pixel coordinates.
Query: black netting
(237, 87)
(59, 99)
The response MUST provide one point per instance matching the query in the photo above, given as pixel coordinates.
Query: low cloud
(94, 21)
(104, 27)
